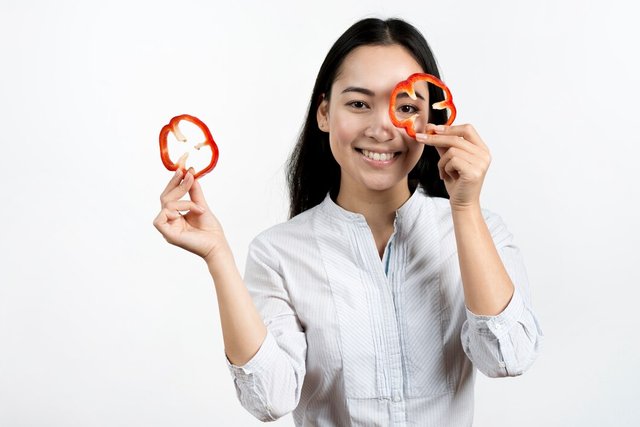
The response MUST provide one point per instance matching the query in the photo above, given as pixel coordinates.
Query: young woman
(374, 303)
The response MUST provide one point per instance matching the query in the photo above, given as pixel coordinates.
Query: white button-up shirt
(354, 340)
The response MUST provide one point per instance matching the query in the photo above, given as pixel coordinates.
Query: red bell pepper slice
(407, 86)
(181, 163)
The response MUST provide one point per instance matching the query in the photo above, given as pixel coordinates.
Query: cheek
(343, 132)
(413, 156)
(415, 152)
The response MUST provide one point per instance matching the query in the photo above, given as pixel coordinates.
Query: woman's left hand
(464, 160)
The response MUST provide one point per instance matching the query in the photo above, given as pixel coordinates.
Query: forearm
(487, 286)
(243, 330)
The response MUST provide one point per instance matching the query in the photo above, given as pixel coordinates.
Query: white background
(102, 323)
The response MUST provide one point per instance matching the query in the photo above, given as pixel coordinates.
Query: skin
(355, 120)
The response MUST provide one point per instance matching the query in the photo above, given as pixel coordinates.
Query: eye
(408, 109)
(358, 105)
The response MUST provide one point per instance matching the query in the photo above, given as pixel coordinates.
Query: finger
(456, 152)
(456, 166)
(173, 182)
(197, 195)
(160, 220)
(478, 165)
(183, 205)
(467, 131)
(445, 142)
(165, 215)
(473, 154)
(172, 214)
(179, 191)
(164, 226)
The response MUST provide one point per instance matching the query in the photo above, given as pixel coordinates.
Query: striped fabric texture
(355, 340)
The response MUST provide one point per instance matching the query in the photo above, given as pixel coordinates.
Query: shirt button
(396, 396)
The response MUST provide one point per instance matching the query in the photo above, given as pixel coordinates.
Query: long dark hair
(312, 171)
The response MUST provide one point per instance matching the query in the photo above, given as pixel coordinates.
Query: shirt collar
(406, 213)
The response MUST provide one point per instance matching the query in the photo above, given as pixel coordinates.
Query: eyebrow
(406, 95)
(359, 90)
(371, 93)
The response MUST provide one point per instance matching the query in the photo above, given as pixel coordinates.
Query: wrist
(219, 255)
(471, 207)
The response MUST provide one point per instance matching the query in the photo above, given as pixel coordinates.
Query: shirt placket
(387, 324)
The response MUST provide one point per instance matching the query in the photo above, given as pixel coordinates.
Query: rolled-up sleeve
(269, 385)
(506, 344)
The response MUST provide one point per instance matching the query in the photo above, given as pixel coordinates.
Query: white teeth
(378, 156)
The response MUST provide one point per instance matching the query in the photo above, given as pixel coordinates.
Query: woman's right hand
(198, 230)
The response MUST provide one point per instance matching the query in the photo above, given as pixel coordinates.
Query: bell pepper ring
(181, 163)
(408, 87)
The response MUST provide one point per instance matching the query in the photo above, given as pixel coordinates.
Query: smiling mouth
(381, 157)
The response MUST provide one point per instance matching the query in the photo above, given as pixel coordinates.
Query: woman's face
(372, 153)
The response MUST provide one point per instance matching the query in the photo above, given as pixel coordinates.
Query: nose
(380, 126)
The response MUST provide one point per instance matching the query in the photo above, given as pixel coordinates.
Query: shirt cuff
(500, 324)
(260, 362)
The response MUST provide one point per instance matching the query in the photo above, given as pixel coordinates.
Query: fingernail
(439, 128)
(199, 208)
(178, 173)
(422, 137)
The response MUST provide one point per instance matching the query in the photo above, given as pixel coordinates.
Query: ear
(322, 114)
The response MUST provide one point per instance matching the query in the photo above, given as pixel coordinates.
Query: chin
(382, 184)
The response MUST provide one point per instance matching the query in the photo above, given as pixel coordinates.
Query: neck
(378, 207)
